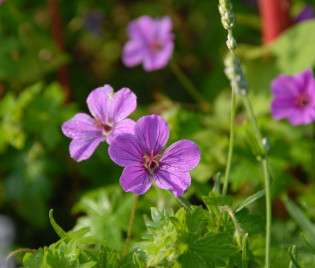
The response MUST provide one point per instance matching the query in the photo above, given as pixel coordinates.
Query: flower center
(150, 161)
(302, 100)
(100, 123)
(155, 46)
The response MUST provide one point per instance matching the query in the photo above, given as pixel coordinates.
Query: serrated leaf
(213, 248)
(33, 260)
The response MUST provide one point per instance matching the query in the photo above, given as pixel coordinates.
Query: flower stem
(231, 143)
(268, 211)
(190, 88)
(185, 203)
(234, 72)
(21, 250)
(132, 217)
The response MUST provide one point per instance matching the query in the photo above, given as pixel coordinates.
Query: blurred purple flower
(307, 13)
(151, 43)
(109, 110)
(93, 21)
(140, 154)
(294, 98)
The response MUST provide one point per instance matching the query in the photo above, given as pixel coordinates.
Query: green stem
(21, 250)
(188, 85)
(185, 203)
(231, 143)
(268, 211)
(251, 114)
(132, 217)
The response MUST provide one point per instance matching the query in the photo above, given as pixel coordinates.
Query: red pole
(275, 16)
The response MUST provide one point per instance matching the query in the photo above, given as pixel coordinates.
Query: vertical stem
(231, 143)
(132, 217)
(188, 85)
(268, 212)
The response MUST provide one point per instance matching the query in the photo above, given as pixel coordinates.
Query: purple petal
(164, 28)
(302, 117)
(158, 60)
(283, 108)
(134, 52)
(135, 178)
(98, 101)
(142, 28)
(125, 149)
(172, 179)
(285, 86)
(306, 14)
(83, 148)
(125, 126)
(182, 155)
(123, 103)
(152, 131)
(81, 126)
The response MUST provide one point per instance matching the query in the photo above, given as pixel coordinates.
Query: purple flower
(307, 13)
(141, 155)
(151, 43)
(109, 110)
(294, 98)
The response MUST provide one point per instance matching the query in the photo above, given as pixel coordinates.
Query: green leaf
(31, 260)
(298, 215)
(294, 49)
(293, 257)
(60, 232)
(213, 248)
(250, 200)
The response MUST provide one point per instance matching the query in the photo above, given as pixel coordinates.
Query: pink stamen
(151, 159)
(99, 123)
(155, 46)
(302, 100)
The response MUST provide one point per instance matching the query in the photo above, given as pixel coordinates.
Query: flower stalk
(239, 85)
(189, 86)
(132, 217)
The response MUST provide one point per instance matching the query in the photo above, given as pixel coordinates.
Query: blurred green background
(36, 172)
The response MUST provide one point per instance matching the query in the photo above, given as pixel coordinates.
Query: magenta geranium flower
(109, 110)
(151, 43)
(294, 98)
(142, 156)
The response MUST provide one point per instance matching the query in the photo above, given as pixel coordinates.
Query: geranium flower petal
(172, 179)
(182, 155)
(152, 131)
(125, 149)
(164, 28)
(142, 28)
(135, 178)
(158, 60)
(123, 103)
(83, 148)
(133, 53)
(124, 126)
(98, 102)
(81, 126)
(285, 86)
(282, 108)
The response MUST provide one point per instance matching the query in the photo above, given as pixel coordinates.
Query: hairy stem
(234, 72)
(231, 143)
(132, 217)
(20, 250)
